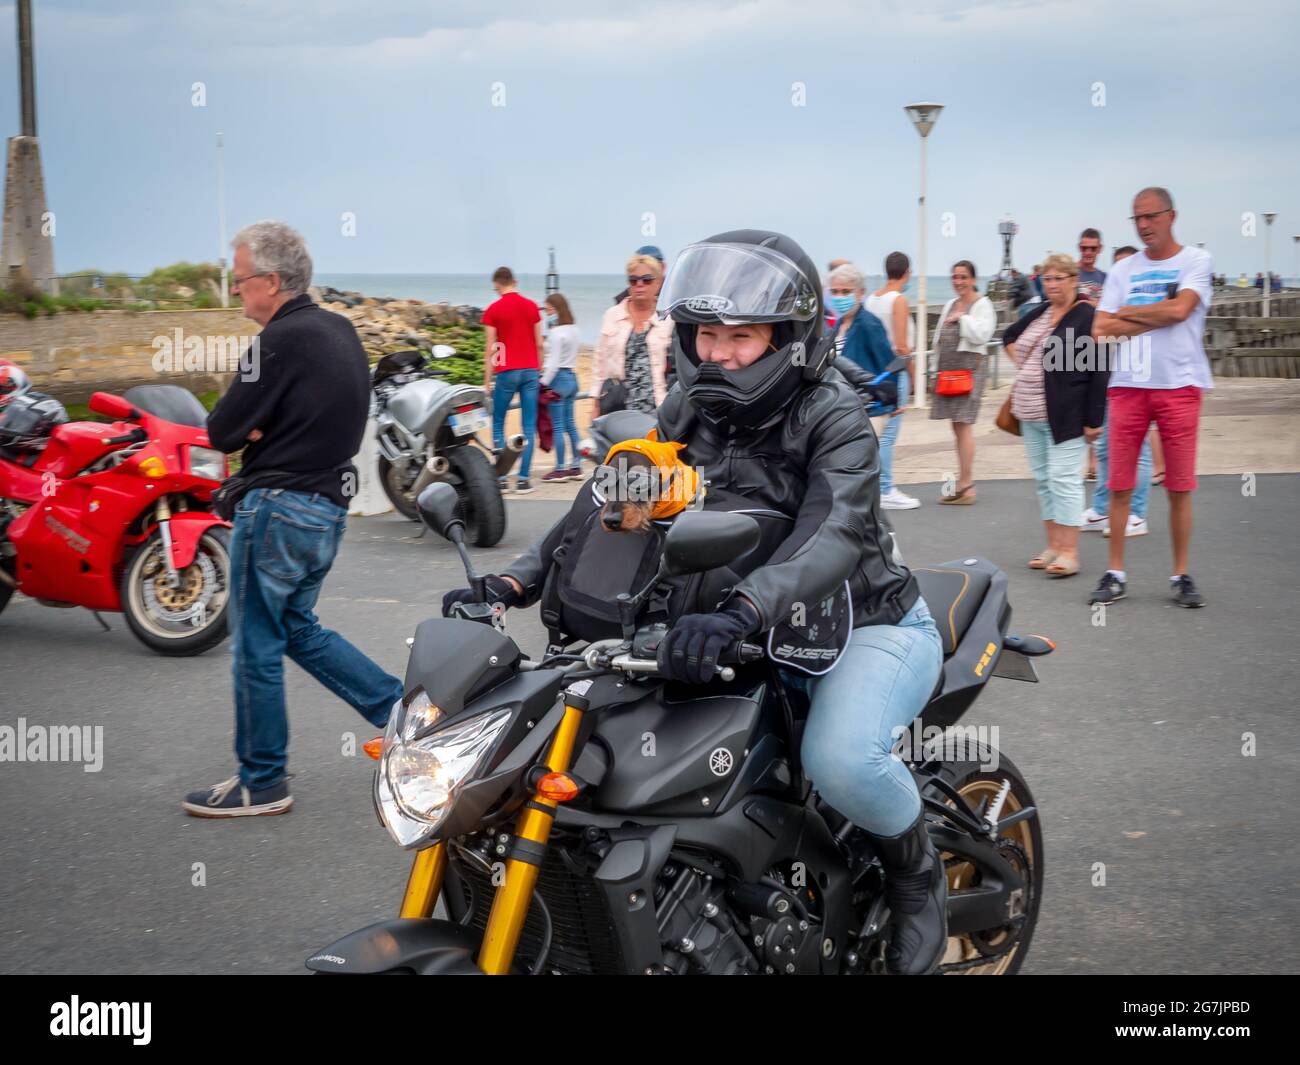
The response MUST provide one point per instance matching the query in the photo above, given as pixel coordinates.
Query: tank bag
(592, 566)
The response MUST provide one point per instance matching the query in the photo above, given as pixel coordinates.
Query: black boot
(916, 888)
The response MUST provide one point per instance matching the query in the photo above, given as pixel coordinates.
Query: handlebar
(738, 653)
(132, 437)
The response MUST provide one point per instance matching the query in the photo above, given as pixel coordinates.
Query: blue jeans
(1141, 490)
(565, 382)
(1058, 473)
(889, 435)
(882, 682)
(527, 383)
(281, 548)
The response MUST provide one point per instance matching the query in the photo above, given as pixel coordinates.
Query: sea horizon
(589, 295)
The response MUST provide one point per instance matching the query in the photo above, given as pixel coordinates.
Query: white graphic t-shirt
(1174, 355)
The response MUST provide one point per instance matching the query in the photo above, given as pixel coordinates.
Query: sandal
(963, 497)
(1063, 567)
(1043, 559)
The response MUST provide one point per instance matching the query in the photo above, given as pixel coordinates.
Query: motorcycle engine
(749, 928)
(699, 933)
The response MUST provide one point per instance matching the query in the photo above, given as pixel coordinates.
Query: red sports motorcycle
(117, 517)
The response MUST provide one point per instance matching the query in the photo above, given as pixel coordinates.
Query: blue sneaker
(231, 799)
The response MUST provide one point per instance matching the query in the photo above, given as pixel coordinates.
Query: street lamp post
(923, 117)
(221, 219)
(1296, 275)
(1268, 269)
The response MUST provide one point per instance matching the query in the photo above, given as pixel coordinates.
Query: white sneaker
(1136, 527)
(1092, 521)
(896, 500)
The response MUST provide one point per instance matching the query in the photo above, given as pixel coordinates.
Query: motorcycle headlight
(420, 714)
(205, 462)
(417, 783)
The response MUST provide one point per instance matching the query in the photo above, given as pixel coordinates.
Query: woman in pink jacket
(634, 343)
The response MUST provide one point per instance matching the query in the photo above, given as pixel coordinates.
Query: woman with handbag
(633, 347)
(966, 326)
(1059, 399)
(560, 385)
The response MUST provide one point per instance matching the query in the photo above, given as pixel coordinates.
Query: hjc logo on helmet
(709, 304)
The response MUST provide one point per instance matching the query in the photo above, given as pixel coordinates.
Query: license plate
(469, 422)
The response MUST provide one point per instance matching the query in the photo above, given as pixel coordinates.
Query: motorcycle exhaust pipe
(434, 470)
(508, 455)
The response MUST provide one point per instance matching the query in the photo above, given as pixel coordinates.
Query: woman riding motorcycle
(764, 414)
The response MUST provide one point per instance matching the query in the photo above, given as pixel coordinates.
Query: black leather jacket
(820, 464)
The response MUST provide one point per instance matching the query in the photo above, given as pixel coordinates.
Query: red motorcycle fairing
(73, 539)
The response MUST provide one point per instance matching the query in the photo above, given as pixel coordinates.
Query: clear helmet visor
(736, 283)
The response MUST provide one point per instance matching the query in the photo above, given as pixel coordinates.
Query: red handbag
(954, 382)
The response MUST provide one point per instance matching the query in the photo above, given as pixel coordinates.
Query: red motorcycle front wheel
(189, 617)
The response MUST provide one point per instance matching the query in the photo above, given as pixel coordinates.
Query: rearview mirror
(702, 540)
(437, 506)
(114, 407)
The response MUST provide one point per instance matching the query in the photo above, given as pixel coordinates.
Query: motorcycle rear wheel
(1024, 846)
(481, 504)
(147, 601)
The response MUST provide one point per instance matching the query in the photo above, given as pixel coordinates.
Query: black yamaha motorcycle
(578, 814)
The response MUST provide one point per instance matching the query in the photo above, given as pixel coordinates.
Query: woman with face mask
(762, 412)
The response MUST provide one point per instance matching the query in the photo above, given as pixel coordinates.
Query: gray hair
(277, 249)
(1161, 194)
(848, 274)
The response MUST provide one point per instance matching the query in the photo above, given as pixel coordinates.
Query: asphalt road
(1132, 744)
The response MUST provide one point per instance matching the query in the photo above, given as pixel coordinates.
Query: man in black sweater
(299, 413)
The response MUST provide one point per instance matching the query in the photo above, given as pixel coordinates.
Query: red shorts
(1130, 412)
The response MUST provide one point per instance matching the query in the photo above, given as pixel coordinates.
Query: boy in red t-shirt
(513, 338)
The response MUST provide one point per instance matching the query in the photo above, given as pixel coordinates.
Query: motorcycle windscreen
(454, 661)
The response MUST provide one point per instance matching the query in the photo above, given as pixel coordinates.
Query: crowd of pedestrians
(1099, 357)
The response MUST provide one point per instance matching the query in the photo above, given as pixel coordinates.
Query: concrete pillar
(27, 247)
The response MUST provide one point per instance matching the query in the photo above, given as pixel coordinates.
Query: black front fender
(423, 946)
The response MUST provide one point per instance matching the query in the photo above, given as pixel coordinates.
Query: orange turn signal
(558, 787)
(374, 747)
(152, 466)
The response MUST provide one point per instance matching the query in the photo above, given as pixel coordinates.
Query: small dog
(643, 481)
(629, 502)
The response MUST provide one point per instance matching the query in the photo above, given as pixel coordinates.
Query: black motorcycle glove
(499, 590)
(886, 392)
(689, 652)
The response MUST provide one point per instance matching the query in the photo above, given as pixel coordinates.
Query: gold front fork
(510, 904)
(425, 882)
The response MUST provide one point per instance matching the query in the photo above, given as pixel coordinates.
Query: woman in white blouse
(961, 343)
(560, 376)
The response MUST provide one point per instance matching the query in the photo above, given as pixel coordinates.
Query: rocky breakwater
(390, 324)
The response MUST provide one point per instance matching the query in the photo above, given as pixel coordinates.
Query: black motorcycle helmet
(746, 275)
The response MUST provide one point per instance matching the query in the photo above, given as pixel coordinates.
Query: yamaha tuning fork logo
(720, 762)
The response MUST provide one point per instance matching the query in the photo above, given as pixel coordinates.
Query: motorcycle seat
(620, 425)
(953, 594)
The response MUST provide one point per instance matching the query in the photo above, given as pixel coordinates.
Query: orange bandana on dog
(678, 482)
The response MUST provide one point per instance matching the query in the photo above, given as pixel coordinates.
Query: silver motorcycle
(427, 431)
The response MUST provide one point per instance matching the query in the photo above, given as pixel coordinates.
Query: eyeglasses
(1149, 217)
(643, 279)
(1055, 278)
(240, 280)
(1090, 247)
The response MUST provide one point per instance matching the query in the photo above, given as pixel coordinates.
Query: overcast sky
(782, 114)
